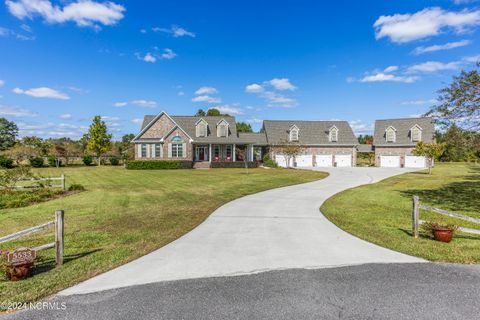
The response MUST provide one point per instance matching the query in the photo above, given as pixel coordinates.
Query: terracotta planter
(443, 235)
(18, 272)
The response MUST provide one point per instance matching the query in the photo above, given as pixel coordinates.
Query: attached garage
(415, 162)
(390, 161)
(281, 160)
(343, 160)
(304, 160)
(323, 160)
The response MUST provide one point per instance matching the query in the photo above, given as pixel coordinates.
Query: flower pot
(443, 235)
(18, 272)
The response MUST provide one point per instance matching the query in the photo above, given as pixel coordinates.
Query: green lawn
(381, 213)
(125, 214)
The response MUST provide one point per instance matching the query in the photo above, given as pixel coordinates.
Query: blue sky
(62, 62)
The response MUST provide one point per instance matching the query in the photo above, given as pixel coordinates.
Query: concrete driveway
(273, 230)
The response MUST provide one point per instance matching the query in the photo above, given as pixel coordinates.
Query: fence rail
(416, 222)
(61, 185)
(59, 236)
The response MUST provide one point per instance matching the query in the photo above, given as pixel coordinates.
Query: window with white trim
(293, 134)
(143, 150)
(202, 129)
(228, 152)
(177, 147)
(390, 135)
(333, 134)
(158, 150)
(222, 130)
(416, 134)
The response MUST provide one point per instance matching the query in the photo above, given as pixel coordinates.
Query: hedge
(158, 164)
(237, 164)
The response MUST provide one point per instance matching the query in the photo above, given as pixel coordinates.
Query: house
(395, 139)
(323, 143)
(198, 139)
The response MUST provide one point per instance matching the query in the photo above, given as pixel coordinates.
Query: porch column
(210, 153)
(234, 151)
(251, 152)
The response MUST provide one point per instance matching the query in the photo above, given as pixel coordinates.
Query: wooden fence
(59, 236)
(61, 185)
(416, 222)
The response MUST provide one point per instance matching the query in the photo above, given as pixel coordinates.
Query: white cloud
(419, 102)
(282, 84)
(401, 28)
(2, 83)
(440, 47)
(254, 88)
(231, 110)
(382, 77)
(278, 100)
(360, 127)
(137, 121)
(473, 59)
(254, 120)
(168, 54)
(144, 103)
(85, 13)
(433, 66)
(149, 58)
(207, 99)
(65, 116)
(42, 92)
(16, 112)
(120, 104)
(175, 31)
(390, 69)
(206, 90)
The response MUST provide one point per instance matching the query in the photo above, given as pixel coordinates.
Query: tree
(42, 146)
(8, 134)
(288, 149)
(459, 103)
(200, 113)
(243, 153)
(432, 151)
(72, 149)
(99, 140)
(244, 127)
(213, 112)
(460, 145)
(58, 151)
(365, 139)
(127, 147)
(21, 152)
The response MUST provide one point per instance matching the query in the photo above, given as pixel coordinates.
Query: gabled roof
(403, 127)
(310, 132)
(148, 121)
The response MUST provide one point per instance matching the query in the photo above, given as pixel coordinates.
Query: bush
(270, 164)
(158, 164)
(6, 162)
(17, 199)
(237, 164)
(115, 161)
(87, 160)
(76, 187)
(36, 162)
(52, 161)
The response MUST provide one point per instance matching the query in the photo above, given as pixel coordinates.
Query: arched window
(333, 136)
(177, 147)
(390, 134)
(222, 128)
(293, 135)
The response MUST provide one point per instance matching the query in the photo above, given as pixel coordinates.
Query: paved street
(371, 291)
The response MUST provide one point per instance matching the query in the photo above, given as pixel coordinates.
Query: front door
(201, 153)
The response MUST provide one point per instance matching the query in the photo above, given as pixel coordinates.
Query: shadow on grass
(455, 196)
(45, 265)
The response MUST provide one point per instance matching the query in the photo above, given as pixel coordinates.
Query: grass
(23, 198)
(124, 214)
(381, 212)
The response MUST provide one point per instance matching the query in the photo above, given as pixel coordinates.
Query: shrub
(270, 164)
(36, 162)
(76, 187)
(6, 162)
(238, 164)
(115, 161)
(17, 199)
(158, 164)
(87, 160)
(52, 161)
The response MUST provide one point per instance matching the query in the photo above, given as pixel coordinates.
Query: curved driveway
(272, 230)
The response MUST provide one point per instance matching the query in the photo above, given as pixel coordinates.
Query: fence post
(59, 215)
(415, 215)
(63, 181)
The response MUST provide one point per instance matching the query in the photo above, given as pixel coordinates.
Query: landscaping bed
(382, 212)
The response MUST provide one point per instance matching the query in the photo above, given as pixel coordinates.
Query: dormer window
(333, 134)
(416, 133)
(293, 135)
(391, 134)
(222, 128)
(202, 128)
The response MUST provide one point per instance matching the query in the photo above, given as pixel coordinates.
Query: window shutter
(184, 150)
(139, 150)
(169, 150)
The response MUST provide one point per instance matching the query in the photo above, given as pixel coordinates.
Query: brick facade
(392, 151)
(159, 129)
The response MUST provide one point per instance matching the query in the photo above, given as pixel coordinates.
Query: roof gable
(403, 129)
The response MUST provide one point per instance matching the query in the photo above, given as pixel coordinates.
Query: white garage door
(304, 160)
(415, 162)
(281, 160)
(323, 160)
(390, 161)
(343, 160)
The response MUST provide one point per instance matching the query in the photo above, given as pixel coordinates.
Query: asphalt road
(371, 291)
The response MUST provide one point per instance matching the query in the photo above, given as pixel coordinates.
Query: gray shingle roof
(310, 132)
(256, 138)
(402, 127)
(364, 148)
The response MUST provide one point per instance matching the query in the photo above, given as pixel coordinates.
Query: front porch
(226, 152)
